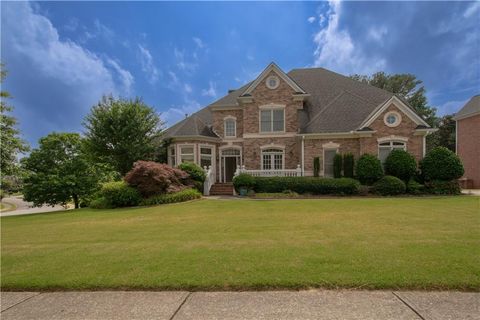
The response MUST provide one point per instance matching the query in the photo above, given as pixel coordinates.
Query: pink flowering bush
(152, 178)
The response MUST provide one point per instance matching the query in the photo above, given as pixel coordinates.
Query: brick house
(278, 123)
(468, 141)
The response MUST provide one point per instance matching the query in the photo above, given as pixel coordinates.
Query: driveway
(24, 207)
(181, 305)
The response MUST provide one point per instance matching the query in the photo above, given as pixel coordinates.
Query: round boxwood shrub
(400, 164)
(369, 169)
(451, 187)
(243, 180)
(441, 164)
(389, 186)
(119, 194)
(413, 187)
(196, 173)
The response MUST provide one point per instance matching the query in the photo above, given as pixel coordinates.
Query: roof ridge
(326, 107)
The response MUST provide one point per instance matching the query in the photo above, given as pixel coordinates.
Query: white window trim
(225, 127)
(328, 147)
(391, 141)
(222, 176)
(396, 123)
(207, 146)
(270, 107)
(272, 160)
(189, 145)
(169, 155)
(267, 82)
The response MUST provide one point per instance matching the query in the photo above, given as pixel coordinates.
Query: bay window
(206, 155)
(187, 154)
(172, 160)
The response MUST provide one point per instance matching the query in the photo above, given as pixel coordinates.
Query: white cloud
(125, 77)
(472, 9)
(182, 63)
(148, 66)
(377, 33)
(199, 42)
(450, 107)
(71, 25)
(336, 50)
(211, 91)
(187, 88)
(311, 19)
(33, 36)
(177, 113)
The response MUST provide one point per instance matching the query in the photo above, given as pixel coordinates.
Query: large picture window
(385, 148)
(272, 120)
(272, 159)
(187, 154)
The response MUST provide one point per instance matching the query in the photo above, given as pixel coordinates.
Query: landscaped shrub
(413, 187)
(369, 169)
(196, 173)
(364, 190)
(302, 185)
(400, 164)
(99, 203)
(152, 178)
(337, 166)
(181, 196)
(389, 186)
(348, 165)
(451, 187)
(243, 180)
(316, 166)
(441, 164)
(119, 194)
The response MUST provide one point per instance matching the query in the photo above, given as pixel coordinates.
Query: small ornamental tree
(400, 164)
(152, 178)
(389, 186)
(337, 166)
(441, 164)
(316, 166)
(369, 169)
(348, 165)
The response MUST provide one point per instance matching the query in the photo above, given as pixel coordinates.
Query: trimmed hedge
(301, 185)
(400, 164)
(337, 166)
(119, 194)
(348, 165)
(196, 172)
(243, 180)
(181, 196)
(369, 169)
(389, 186)
(413, 187)
(441, 164)
(443, 187)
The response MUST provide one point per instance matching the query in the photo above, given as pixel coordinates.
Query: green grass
(421, 243)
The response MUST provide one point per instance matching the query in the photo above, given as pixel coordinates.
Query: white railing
(271, 173)
(209, 180)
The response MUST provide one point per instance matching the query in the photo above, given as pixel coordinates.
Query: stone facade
(468, 147)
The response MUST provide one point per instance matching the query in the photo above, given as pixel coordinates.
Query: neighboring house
(278, 123)
(468, 141)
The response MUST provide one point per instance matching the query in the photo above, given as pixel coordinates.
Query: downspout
(303, 156)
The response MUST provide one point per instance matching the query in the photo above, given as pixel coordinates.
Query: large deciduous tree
(121, 132)
(445, 136)
(11, 143)
(405, 85)
(59, 171)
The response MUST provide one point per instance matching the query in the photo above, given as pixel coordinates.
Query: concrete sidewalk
(311, 304)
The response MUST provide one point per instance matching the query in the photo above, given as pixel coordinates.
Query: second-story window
(230, 128)
(272, 120)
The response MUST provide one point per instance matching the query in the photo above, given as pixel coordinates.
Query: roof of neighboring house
(470, 109)
(336, 103)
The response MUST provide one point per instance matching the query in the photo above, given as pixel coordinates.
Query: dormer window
(230, 127)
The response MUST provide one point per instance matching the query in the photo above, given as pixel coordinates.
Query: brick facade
(468, 147)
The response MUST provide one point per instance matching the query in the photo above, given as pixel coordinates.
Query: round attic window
(273, 82)
(392, 119)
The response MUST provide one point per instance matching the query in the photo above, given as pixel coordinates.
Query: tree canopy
(405, 85)
(59, 171)
(122, 131)
(12, 144)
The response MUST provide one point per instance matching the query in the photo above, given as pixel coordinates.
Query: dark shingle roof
(472, 107)
(335, 104)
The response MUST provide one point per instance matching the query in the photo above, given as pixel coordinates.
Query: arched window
(230, 127)
(384, 148)
(272, 159)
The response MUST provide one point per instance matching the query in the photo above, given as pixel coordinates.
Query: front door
(328, 162)
(230, 167)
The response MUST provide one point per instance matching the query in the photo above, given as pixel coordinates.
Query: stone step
(221, 189)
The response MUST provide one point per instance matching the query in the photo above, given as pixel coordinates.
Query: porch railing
(209, 180)
(270, 173)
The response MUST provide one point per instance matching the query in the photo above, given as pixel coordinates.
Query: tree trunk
(75, 201)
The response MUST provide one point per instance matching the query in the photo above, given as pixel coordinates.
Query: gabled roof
(334, 103)
(470, 109)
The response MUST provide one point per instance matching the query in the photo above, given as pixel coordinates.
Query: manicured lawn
(419, 243)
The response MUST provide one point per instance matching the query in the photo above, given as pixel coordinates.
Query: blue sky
(179, 56)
